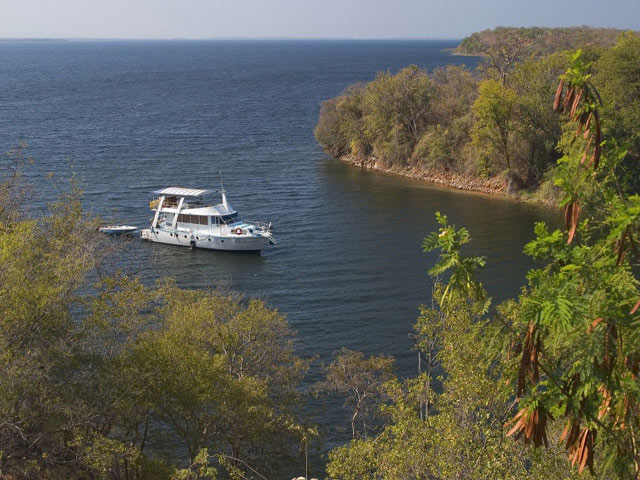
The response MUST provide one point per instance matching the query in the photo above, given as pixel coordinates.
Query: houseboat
(183, 218)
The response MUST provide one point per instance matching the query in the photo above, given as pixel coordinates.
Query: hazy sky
(301, 18)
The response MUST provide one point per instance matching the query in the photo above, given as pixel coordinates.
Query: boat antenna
(221, 187)
(224, 197)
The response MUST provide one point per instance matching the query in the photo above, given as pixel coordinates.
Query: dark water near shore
(131, 117)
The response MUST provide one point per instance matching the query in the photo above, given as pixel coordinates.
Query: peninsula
(492, 129)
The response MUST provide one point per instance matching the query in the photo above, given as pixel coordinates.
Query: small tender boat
(181, 218)
(118, 229)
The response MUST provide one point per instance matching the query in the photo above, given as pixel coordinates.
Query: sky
(365, 19)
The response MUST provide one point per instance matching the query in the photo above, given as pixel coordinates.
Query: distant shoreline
(33, 40)
(205, 39)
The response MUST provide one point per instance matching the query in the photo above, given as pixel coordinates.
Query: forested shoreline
(492, 129)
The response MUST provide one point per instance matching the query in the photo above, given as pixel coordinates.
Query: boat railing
(265, 227)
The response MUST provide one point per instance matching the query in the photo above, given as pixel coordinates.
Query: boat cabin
(183, 209)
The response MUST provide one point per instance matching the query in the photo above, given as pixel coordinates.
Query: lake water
(348, 269)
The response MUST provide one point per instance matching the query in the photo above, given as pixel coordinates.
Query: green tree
(445, 140)
(493, 132)
(96, 369)
(339, 129)
(461, 434)
(537, 125)
(618, 80)
(395, 111)
(42, 266)
(222, 376)
(576, 321)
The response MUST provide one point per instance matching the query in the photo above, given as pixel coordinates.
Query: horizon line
(195, 39)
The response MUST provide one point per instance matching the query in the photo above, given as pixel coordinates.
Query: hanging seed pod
(529, 361)
(568, 99)
(575, 104)
(594, 324)
(575, 211)
(558, 98)
(596, 156)
(606, 401)
(530, 424)
(571, 432)
(587, 122)
(582, 451)
(567, 215)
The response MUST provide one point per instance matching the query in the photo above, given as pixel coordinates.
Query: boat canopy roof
(212, 210)
(182, 192)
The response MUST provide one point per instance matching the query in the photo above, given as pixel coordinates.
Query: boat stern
(146, 234)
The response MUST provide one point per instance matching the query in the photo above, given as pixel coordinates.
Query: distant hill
(538, 41)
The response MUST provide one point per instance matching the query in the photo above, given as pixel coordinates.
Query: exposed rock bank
(500, 185)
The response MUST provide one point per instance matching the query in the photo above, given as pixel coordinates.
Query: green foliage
(460, 434)
(492, 134)
(220, 375)
(198, 470)
(98, 371)
(385, 118)
(537, 126)
(395, 109)
(339, 127)
(450, 425)
(575, 323)
(463, 269)
(618, 80)
(568, 346)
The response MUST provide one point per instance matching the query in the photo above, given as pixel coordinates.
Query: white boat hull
(238, 243)
(118, 229)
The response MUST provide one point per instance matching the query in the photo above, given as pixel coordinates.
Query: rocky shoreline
(500, 186)
(495, 186)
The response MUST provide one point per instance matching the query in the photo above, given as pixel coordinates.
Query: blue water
(132, 117)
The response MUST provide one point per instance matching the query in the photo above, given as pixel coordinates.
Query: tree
(395, 111)
(462, 434)
(577, 323)
(222, 376)
(339, 129)
(618, 80)
(42, 266)
(493, 133)
(361, 381)
(504, 50)
(537, 125)
(541, 41)
(97, 368)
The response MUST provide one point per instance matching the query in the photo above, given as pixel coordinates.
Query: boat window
(193, 219)
(230, 218)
